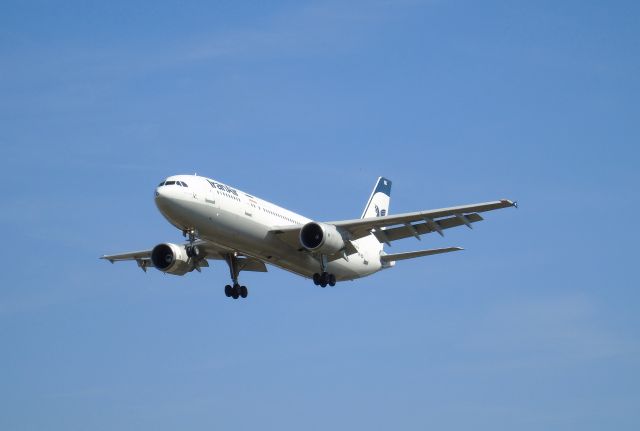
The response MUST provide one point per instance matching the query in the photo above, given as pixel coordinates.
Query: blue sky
(534, 326)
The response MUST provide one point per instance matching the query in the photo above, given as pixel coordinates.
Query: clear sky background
(534, 326)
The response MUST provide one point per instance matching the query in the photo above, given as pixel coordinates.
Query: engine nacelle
(171, 258)
(321, 238)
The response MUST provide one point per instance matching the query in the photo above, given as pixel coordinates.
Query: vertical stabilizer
(378, 204)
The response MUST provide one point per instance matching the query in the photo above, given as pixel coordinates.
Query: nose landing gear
(193, 251)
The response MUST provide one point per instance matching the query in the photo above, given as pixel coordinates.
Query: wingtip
(510, 202)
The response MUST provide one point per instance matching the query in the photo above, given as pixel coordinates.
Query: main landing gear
(236, 291)
(323, 278)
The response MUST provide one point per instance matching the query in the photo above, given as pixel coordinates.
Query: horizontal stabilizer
(413, 254)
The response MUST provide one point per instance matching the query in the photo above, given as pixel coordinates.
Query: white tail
(378, 205)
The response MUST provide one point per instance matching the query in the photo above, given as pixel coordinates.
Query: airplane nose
(160, 194)
(162, 200)
(162, 197)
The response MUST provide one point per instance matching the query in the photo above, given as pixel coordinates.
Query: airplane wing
(398, 226)
(211, 252)
(417, 223)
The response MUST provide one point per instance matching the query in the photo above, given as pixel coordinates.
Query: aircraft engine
(321, 238)
(171, 258)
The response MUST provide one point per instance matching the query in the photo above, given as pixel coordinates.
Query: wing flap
(396, 233)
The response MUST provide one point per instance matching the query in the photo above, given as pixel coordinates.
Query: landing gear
(194, 252)
(323, 278)
(191, 233)
(236, 291)
(192, 249)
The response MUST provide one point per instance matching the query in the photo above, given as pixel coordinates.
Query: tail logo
(380, 212)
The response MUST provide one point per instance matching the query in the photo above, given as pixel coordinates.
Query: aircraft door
(250, 206)
(212, 198)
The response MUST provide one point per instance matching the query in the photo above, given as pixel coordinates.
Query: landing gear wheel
(228, 290)
(235, 291)
(323, 279)
(244, 291)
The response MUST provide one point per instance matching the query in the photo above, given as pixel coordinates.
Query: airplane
(223, 223)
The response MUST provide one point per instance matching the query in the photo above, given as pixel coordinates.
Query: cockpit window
(184, 184)
(161, 184)
(169, 183)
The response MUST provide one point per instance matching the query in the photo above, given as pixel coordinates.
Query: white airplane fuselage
(232, 219)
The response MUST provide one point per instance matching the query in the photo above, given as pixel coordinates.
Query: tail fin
(378, 204)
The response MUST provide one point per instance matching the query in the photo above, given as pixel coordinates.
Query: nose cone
(173, 204)
(163, 199)
(161, 193)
